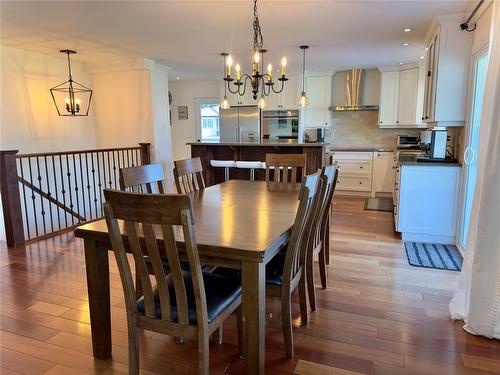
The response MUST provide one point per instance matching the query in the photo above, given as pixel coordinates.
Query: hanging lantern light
(303, 100)
(71, 98)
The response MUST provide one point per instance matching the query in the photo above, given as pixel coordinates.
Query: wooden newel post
(11, 202)
(145, 153)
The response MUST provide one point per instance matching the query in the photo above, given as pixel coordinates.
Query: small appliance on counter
(316, 135)
(434, 142)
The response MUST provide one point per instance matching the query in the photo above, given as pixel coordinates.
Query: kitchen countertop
(412, 160)
(360, 149)
(257, 144)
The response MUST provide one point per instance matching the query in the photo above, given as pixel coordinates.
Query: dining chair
(281, 165)
(316, 243)
(143, 178)
(181, 303)
(188, 175)
(286, 271)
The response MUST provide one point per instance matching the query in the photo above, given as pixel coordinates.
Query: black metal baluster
(128, 158)
(63, 192)
(82, 188)
(93, 183)
(75, 175)
(114, 168)
(69, 190)
(100, 184)
(133, 153)
(33, 196)
(109, 172)
(88, 186)
(55, 191)
(49, 194)
(41, 197)
(24, 199)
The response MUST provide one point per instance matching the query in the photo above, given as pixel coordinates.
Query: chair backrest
(323, 200)
(146, 178)
(188, 175)
(281, 165)
(148, 221)
(295, 255)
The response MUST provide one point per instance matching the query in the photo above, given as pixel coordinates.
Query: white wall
(29, 121)
(185, 93)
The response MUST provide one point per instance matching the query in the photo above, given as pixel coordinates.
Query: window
(208, 120)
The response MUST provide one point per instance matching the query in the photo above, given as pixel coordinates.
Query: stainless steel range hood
(351, 84)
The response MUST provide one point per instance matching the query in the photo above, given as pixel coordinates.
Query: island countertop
(259, 144)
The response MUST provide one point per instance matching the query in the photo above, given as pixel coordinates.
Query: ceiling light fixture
(70, 97)
(259, 81)
(405, 44)
(401, 63)
(303, 101)
(422, 57)
(407, 30)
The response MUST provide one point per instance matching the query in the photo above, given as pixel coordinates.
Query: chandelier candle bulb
(229, 65)
(283, 66)
(270, 70)
(77, 105)
(68, 107)
(238, 73)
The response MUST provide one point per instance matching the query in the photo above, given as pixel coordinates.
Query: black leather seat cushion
(221, 291)
(274, 270)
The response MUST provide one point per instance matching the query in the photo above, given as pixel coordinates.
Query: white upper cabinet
(235, 99)
(448, 55)
(288, 98)
(319, 92)
(401, 97)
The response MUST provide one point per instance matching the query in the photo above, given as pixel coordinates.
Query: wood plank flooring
(378, 316)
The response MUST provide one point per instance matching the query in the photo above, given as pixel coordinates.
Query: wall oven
(280, 125)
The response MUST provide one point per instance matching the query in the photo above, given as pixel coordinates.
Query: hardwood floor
(378, 316)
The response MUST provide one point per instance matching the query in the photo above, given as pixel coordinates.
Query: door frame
(197, 102)
(467, 138)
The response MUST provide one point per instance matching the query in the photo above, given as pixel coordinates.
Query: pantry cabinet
(401, 97)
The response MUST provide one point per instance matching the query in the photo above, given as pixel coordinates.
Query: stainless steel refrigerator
(240, 124)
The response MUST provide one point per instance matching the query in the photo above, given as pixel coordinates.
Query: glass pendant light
(303, 100)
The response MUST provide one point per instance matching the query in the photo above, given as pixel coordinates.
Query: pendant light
(303, 101)
(71, 98)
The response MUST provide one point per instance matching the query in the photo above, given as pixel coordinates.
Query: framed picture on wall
(182, 112)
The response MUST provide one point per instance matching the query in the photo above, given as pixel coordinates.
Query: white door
(407, 97)
(388, 98)
(471, 152)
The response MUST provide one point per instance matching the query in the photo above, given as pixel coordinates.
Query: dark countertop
(257, 144)
(412, 160)
(361, 149)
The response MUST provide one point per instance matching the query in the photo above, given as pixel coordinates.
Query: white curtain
(477, 300)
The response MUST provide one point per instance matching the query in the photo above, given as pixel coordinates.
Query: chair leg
(309, 276)
(239, 324)
(217, 335)
(203, 352)
(322, 267)
(133, 346)
(286, 322)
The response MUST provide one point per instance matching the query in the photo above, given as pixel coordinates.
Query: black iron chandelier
(71, 98)
(259, 81)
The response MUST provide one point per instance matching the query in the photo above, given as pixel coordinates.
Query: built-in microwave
(280, 124)
(408, 141)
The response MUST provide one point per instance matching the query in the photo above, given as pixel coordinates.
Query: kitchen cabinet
(447, 73)
(383, 172)
(236, 99)
(355, 172)
(319, 92)
(401, 96)
(288, 98)
(426, 204)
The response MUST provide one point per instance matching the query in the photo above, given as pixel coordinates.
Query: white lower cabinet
(426, 202)
(364, 173)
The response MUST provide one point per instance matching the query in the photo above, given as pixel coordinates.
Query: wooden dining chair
(181, 303)
(318, 235)
(147, 178)
(286, 271)
(281, 165)
(188, 175)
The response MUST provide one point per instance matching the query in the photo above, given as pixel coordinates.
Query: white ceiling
(189, 35)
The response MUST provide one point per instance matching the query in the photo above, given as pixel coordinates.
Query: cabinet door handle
(361, 167)
(380, 122)
(361, 183)
(397, 122)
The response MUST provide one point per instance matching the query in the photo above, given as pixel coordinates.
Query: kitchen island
(238, 151)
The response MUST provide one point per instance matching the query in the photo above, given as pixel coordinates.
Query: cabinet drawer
(349, 155)
(353, 183)
(354, 167)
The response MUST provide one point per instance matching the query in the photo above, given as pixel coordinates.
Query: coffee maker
(434, 141)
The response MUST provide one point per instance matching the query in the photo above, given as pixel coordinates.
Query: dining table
(238, 224)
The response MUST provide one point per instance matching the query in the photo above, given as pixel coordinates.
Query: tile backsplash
(360, 129)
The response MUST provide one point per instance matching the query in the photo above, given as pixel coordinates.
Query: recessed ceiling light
(426, 48)
(178, 78)
(316, 69)
(405, 44)
(407, 30)
(401, 63)
(422, 57)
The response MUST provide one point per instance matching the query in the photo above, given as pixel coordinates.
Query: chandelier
(71, 98)
(257, 80)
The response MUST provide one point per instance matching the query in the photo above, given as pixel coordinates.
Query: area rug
(379, 204)
(431, 255)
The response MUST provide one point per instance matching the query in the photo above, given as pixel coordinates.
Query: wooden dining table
(238, 224)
